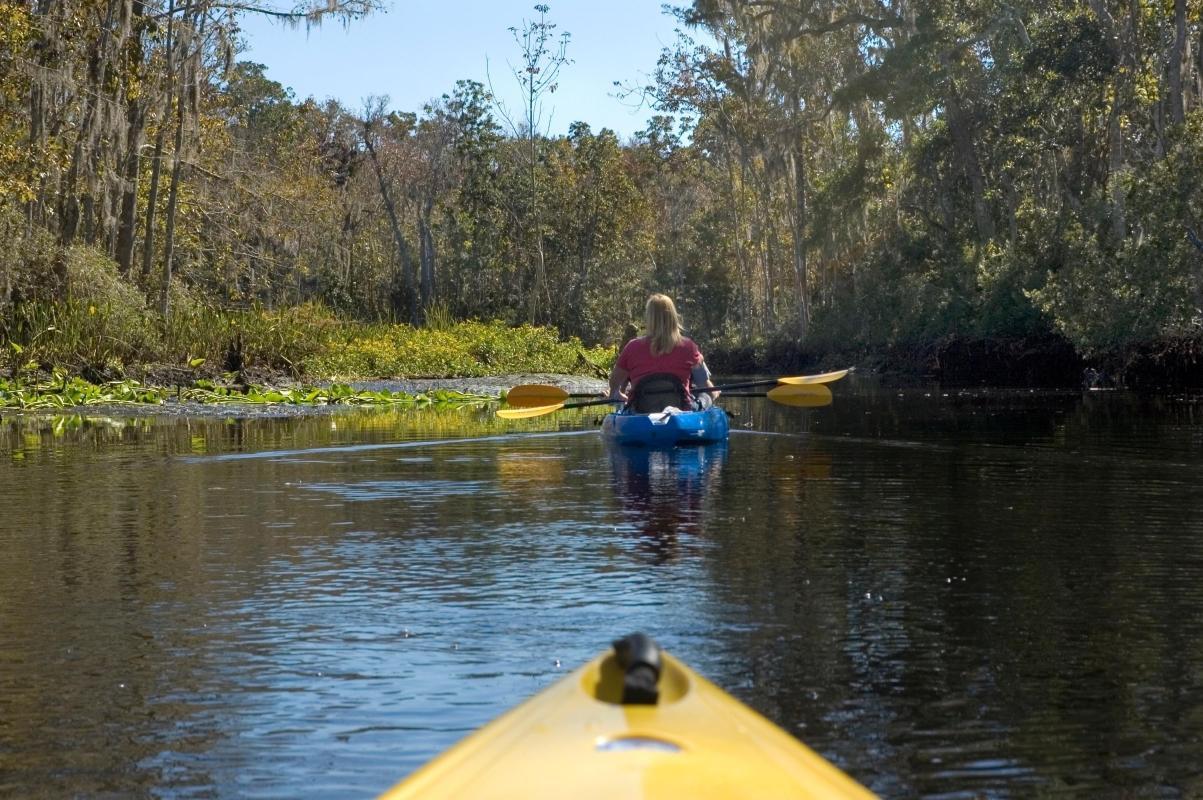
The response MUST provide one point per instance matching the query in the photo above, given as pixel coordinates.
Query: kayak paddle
(540, 395)
(792, 380)
(799, 396)
(533, 395)
(538, 411)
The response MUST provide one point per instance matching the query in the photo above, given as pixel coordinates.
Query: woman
(663, 352)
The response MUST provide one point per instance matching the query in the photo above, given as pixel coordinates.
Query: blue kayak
(666, 428)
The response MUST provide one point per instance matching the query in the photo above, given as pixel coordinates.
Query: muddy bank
(489, 386)
(168, 376)
(1044, 362)
(955, 361)
(1167, 364)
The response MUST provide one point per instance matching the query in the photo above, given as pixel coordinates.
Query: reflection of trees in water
(662, 492)
(529, 471)
(212, 430)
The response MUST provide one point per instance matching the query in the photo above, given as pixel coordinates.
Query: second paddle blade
(825, 377)
(523, 413)
(534, 395)
(804, 396)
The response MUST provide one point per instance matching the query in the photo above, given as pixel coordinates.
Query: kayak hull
(576, 739)
(667, 429)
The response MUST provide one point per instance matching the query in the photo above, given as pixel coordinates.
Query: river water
(948, 594)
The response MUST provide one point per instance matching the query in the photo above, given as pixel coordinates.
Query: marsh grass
(464, 349)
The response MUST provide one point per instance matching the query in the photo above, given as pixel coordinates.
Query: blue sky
(418, 49)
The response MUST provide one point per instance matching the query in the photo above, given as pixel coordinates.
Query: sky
(418, 49)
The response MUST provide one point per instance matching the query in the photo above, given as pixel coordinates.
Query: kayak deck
(577, 739)
(667, 428)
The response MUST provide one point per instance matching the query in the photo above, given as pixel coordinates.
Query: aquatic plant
(67, 392)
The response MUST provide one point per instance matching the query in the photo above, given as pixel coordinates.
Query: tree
(542, 55)
(398, 128)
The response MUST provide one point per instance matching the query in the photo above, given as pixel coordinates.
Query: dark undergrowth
(1048, 361)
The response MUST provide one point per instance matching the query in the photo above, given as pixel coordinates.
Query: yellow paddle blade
(824, 377)
(534, 395)
(802, 396)
(523, 413)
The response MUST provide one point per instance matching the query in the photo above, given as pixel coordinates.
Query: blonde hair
(663, 324)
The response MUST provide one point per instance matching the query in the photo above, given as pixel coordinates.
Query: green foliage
(30, 261)
(1151, 286)
(16, 36)
(824, 179)
(439, 317)
(304, 340)
(466, 349)
(104, 319)
(63, 392)
(280, 339)
(1004, 280)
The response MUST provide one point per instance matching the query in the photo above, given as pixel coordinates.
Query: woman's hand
(619, 378)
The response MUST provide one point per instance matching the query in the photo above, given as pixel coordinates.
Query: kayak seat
(657, 392)
(635, 674)
(640, 659)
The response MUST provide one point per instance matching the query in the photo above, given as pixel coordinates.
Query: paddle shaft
(747, 385)
(603, 401)
(695, 390)
(800, 380)
(700, 389)
(802, 396)
(538, 399)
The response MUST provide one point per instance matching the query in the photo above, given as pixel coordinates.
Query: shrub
(465, 349)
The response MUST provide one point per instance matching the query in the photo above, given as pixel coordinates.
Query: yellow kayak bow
(623, 727)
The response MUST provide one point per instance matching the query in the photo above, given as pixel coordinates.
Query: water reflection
(961, 594)
(662, 492)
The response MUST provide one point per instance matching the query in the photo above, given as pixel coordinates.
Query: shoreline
(1045, 361)
(489, 385)
(487, 389)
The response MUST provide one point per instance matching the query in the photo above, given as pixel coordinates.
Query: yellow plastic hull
(575, 740)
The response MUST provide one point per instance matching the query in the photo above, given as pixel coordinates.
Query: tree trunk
(148, 243)
(1199, 70)
(1115, 170)
(962, 140)
(426, 256)
(152, 202)
(403, 250)
(173, 194)
(536, 222)
(77, 207)
(127, 225)
(1177, 53)
(177, 160)
(741, 261)
(768, 235)
(135, 122)
(798, 223)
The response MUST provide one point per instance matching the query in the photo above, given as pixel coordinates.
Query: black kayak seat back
(657, 392)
